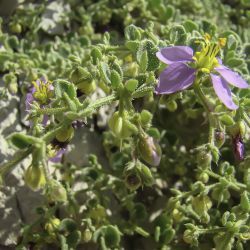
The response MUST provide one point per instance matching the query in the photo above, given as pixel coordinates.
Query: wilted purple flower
(184, 66)
(238, 148)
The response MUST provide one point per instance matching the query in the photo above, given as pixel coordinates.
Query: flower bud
(215, 153)
(145, 174)
(83, 80)
(79, 74)
(245, 201)
(131, 69)
(52, 225)
(34, 177)
(205, 218)
(87, 87)
(171, 106)
(227, 120)
(177, 215)
(201, 204)
(238, 148)
(239, 129)
(189, 237)
(131, 85)
(16, 28)
(203, 177)
(204, 159)
(219, 138)
(56, 191)
(87, 235)
(146, 117)
(121, 126)
(66, 134)
(149, 150)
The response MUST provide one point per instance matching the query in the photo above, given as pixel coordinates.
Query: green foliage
(170, 180)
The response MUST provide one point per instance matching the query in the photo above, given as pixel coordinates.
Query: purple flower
(58, 155)
(184, 66)
(41, 92)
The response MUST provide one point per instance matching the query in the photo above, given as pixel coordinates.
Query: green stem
(212, 230)
(234, 185)
(18, 157)
(201, 96)
(51, 111)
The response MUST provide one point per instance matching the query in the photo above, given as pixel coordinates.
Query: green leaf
(62, 86)
(153, 62)
(105, 72)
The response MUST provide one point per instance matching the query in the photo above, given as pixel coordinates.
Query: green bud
(171, 105)
(149, 150)
(56, 191)
(131, 85)
(121, 126)
(78, 74)
(87, 235)
(189, 237)
(177, 215)
(215, 154)
(227, 120)
(204, 159)
(201, 204)
(131, 69)
(205, 218)
(242, 128)
(16, 28)
(87, 87)
(219, 138)
(34, 177)
(83, 80)
(52, 225)
(145, 174)
(245, 201)
(203, 177)
(146, 117)
(65, 134)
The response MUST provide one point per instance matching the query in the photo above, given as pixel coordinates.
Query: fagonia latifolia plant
(176, 137)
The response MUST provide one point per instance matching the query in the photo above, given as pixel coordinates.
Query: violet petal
(232, 77)
(222, 91)
(175, 77)
(174, 54)
(28, 101)
(58, 157)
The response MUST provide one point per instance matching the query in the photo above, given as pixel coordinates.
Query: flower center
(206, 60)
(43, 91)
